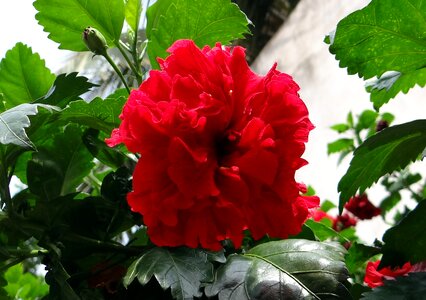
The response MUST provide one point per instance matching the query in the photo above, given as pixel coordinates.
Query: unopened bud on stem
(94, 41)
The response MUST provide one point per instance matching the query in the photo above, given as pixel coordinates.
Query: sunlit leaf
(390, 149)
(14, 121)
(65, 20)
(205, 22)
(287, 269)
(384, 36)
(23, 76)
(340, 145)
(133, 10)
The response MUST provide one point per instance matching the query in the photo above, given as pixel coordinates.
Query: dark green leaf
(65, 20)
(412, 286)
(59, 167)
(205, 22)
(24, 76)
(389, 150)
(390, 202)
(181, 269)
(358, 255)
(98, 114)
(14, 121)
(286, 269)
(407, 240)
(57, 278)
(66, 88)
(384, 36)
(132, 11)
(340, 145)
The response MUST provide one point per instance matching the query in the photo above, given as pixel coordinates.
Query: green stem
(120, 45)
(116, 69)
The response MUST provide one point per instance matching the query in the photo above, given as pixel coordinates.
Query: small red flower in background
(374, 278)
(362, 208)
(219, 148)
(318, 215)
(344, 221)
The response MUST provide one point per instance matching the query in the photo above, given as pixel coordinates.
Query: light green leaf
(98, 114)
(391, 83)
(65, 20)
(24, 285)
(286, 269)
(181, 269)
(133, 10)
(389, 150)
(14, 121)
(384, 36)
(23, 76)
(340, 145)
(206, 22)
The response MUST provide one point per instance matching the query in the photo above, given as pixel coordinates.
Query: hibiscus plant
(180, 184)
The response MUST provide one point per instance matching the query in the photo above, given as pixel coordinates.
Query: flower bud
(94, 41)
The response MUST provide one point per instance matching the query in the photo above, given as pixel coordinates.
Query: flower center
(226, 144)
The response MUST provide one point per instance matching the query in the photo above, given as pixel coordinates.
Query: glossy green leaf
(205, 22)
(286, 269)
(181, 269)
(14, 121)
(390, 149)
(322, 231)
(57, 168)
(412, 286)
(406, 241)
(98, 114)
(23, 76)
(65, 20)
(132, 12)
(384, 36)
(66, 88)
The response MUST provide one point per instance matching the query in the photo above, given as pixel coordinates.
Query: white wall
(329, 92)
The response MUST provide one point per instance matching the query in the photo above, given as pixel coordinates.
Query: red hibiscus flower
(219, 148)
(318, 215)
(344, 221)
(374, 278)
(361, 207)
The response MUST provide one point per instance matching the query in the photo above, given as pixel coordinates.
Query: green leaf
(412, 286)
(406, 241)
(24, 285)
(389, 150)
(98, 114)
(65, 20)
(322, 231)
(340, 145)
(384, 36)
(132, 12)
(358, 255)
(286, 269)
(23, 76)
(59, 167)
(181, 269)
(14, 121)
(340, 128)
(366, 120)
(327, 205)
(66, 88)
(391, 83)
(205, 22)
